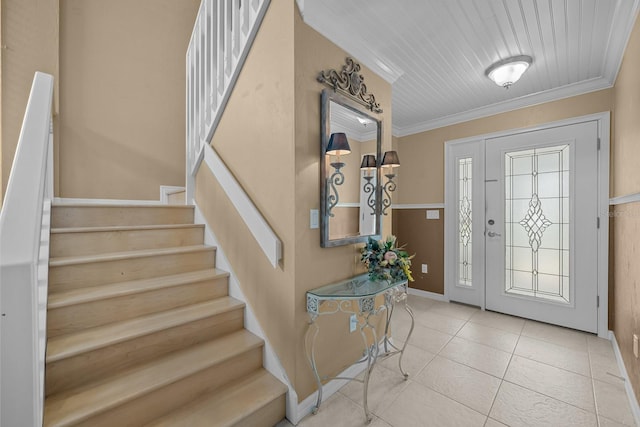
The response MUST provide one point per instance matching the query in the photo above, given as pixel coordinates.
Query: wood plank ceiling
(435, 52)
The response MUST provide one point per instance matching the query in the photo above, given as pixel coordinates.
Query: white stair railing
(221, 39)
(24, 252)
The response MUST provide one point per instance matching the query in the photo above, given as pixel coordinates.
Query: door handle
(493, 234)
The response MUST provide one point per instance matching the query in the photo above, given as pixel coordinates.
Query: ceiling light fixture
(506, 72)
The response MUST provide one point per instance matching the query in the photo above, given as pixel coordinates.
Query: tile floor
(473, 368)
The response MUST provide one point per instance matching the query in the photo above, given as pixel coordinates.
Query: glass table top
(356, 287)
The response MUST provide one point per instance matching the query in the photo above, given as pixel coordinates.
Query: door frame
(603, 121)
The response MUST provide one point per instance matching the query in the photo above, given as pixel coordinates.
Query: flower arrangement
(385, 261)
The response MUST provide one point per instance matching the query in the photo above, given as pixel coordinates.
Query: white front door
(541, 216)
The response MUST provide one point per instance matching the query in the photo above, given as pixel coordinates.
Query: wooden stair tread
(72, 344)
(123, 228)
(76, 405)
(95, 293)
(115, 256)
(227, 405)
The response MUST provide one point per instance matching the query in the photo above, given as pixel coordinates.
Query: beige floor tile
(419, 406)
(379, 422)
(447, 324)
(425, 338)
(612, 402)
(478, 356)
(499, 321)
(461, 383)
(606, 422)
(563, 385)
(600, 346)
(452, 309)
(496, 338)
(284, 423)
(418, 303)
(413, 361)
(516, 406)
(569, 338)
(605, 368)
(337, 411)
(384, 385)
(554, 355)
(493, 423)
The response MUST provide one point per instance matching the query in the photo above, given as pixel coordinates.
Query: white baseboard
(72, 201)
(633, 402)
(427, 294)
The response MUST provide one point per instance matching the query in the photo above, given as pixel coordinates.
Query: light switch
(433, 214)
(313, 218)
(425, 268)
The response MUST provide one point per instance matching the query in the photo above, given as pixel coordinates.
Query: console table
(358, 296)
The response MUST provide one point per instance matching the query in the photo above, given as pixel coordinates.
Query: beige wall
(277, 161)
(122, 96)
(29, 44)
(316, 266)
(255, 140)
(421, 176)
(626, 217)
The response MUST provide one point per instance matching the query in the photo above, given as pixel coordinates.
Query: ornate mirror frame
(327, 98)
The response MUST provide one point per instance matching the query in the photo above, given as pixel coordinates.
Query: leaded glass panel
(465, 221)
(537, 223)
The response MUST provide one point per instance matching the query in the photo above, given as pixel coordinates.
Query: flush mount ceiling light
(506, 72)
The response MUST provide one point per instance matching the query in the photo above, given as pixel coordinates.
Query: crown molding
(562, 92)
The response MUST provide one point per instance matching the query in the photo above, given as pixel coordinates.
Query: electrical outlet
(635, 345)
(353, 323)
(425, 269)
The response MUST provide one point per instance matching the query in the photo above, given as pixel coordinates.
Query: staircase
(141, 330)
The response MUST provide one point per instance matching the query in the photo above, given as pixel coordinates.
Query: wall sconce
(368, 165)
(389, 160)
(337, 146)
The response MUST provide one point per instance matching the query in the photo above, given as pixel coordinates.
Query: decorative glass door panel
(464, 243)
(541, 237)
(465, 225)
(537, 197)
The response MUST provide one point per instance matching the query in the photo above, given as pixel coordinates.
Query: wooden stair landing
(141, 330)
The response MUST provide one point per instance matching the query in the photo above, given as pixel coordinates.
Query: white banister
(222, 36)
(23, 263)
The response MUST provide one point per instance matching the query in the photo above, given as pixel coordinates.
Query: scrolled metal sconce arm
(388, 188)
(337, 178)
(369, 189)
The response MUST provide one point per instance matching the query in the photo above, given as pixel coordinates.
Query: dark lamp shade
(368, 162)
(338, 144)
(390, 159)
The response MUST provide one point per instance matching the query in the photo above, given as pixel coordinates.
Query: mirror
(350, 195)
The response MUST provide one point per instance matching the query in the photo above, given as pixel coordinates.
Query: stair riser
(101, 242)
(177, 198)
(148, 407)
(268, 415)
(74, 318)
(102, 363)
(103, 216)
(67, 277)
